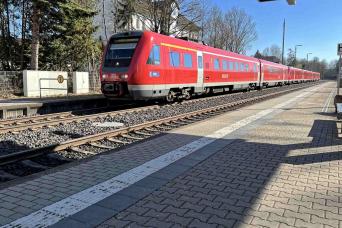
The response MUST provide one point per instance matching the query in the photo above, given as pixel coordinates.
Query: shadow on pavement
(226, 189)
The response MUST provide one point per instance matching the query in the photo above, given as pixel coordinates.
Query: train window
(120, 52)
(247, 67)
(231, 66)
(200, 62)
(216, 64)
(174, 59)
(224, 65)
(187, 60)
(154, 57)
(236, 66)
(242, 67)
(255, 68)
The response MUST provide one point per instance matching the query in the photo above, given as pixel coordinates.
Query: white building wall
(35, 80)
(80, 82)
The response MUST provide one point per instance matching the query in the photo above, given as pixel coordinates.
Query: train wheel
(186, 95)
(171, 97)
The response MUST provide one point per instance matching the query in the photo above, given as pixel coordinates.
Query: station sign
(339, 49)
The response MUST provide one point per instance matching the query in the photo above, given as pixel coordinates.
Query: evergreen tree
(64, 34)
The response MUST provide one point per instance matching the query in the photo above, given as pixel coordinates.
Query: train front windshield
(120, 52)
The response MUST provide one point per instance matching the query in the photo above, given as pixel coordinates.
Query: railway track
(94, 144)
(49, 120)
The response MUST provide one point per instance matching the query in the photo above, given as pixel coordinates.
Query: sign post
(339, 52)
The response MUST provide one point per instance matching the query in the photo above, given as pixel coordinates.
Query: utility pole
(283, 47)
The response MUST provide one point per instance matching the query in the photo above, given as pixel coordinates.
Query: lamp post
(307, 60)
(295, 57)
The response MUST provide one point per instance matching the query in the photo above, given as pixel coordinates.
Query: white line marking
(327, 102)
(55, 212)
(330, 98)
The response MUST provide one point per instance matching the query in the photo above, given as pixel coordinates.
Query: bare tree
(235, 31)
(241, 30)
(291, 57)
(203, 13)
(273, 51)
(214, 28)
(266, 52)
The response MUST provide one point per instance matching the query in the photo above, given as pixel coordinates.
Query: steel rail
(70, 119)
(23, 120)
(31, 153)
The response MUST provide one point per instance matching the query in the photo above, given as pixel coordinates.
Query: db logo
(60, 79)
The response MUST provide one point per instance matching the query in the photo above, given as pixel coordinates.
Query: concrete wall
(31, 83)
(80, 81)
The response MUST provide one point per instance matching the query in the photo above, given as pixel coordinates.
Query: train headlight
(105, 76)
(123, 76)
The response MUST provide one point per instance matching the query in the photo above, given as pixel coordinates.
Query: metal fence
(11, 82)
(94, 81)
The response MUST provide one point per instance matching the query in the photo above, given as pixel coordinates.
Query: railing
(51, 88)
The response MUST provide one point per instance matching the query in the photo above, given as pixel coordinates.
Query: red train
(146, 65)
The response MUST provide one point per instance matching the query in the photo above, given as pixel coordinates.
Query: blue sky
(316, 24)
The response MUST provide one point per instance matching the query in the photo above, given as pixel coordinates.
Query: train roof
(199, 46)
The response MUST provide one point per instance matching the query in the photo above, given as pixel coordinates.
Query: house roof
(185, 23)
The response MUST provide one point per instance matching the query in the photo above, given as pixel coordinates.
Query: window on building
(216, 64)
(154, 57)
(174, 59)
(187, 60)
(224, 65)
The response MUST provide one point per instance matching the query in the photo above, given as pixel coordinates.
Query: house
(141, 18)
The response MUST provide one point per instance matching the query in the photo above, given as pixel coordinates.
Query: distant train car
(145, 65)
(273, 74)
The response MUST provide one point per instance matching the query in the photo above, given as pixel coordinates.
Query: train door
(261, 72)
(199, 84)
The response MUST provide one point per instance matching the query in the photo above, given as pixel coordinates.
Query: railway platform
(10, 108)
(272, 164)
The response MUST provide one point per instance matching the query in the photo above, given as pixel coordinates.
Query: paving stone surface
(285, 173)
(35, 194)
